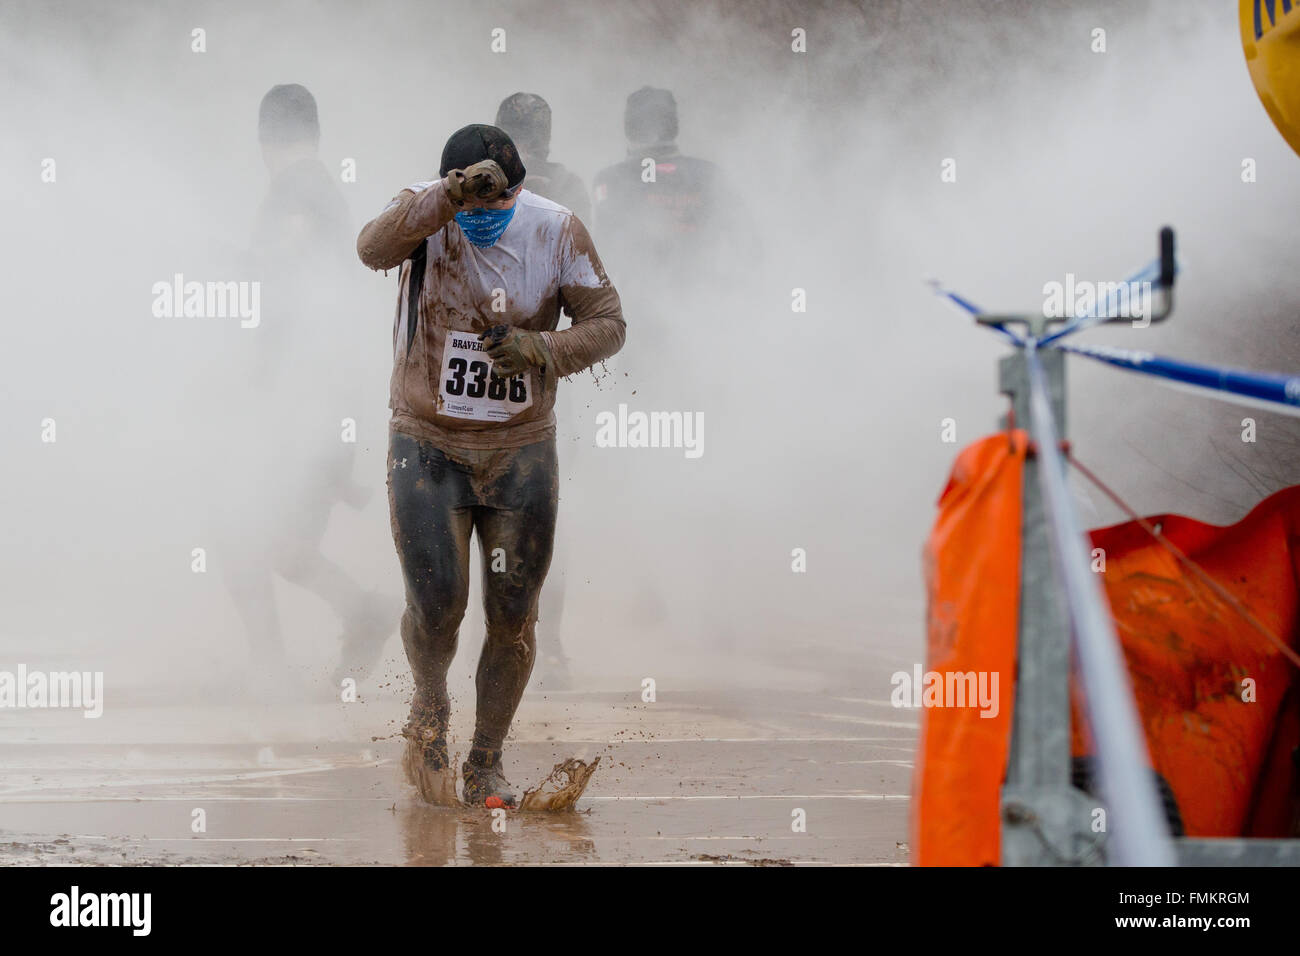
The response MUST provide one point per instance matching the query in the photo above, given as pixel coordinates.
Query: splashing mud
(560, 790)
(437, 787)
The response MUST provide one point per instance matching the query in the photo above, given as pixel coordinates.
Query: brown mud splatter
(560, 790)
(435, 787)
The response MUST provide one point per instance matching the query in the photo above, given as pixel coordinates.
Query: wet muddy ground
(694, 778)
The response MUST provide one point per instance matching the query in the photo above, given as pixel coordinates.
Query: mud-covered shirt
(441, 390)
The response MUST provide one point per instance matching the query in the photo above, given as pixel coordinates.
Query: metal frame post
(1044, 818)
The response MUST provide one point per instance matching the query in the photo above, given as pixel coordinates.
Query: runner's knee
(437, 605)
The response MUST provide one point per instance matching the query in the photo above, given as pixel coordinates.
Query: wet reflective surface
(695, 778)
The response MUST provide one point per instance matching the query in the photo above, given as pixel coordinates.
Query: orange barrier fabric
(1216, 697)
(972, 570)
(1218, 700)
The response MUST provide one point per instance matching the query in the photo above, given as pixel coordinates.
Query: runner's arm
(592, 303)
(416, 213)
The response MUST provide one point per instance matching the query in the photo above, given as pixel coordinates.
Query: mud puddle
(558, 792)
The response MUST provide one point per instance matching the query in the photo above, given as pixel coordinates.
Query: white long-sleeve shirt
(543, 262)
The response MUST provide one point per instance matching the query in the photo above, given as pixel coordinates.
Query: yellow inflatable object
(1270, 34)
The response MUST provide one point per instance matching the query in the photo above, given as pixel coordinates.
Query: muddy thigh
(430, 500)
(515, 521)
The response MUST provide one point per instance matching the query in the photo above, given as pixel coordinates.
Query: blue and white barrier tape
(1260, 389)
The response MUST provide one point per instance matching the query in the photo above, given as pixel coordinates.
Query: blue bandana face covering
(483, 227)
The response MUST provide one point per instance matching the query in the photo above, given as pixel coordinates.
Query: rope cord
(1223, 593)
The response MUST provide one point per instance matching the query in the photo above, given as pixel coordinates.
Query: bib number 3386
(470, 390)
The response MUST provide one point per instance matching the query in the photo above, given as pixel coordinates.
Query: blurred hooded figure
(284, 466)
(526, 117)
(486, 268)
(657, 208)
(304, 215)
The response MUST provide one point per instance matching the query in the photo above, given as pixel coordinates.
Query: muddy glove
(484, 181)
(513, 350)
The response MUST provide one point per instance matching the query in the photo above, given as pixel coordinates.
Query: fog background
(822, 429)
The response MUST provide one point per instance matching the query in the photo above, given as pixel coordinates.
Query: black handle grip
(1167, 267)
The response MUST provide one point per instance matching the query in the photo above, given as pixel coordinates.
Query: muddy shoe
(431, 746)
(484, 780)
(427, 766)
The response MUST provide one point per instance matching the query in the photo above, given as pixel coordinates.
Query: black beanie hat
(527, 118)
(473, 144)
(650, 117)
(288, 115)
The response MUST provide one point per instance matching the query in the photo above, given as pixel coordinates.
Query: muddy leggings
(436, 499)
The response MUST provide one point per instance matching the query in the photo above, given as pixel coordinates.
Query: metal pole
(1139, 834)
(1044, 818)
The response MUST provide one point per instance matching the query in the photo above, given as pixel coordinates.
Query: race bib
(468, 390)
